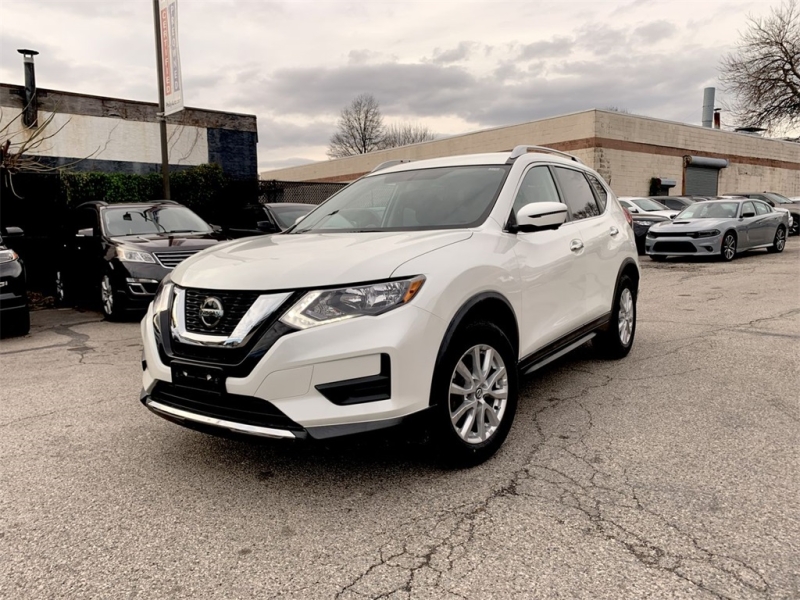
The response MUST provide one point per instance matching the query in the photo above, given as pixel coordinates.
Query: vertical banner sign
(170, 56)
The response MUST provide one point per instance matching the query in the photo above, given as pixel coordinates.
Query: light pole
(162, 120)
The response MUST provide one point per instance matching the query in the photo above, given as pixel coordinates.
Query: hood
(305, 260)
(683, 225)
(662, 213)
(163, 242)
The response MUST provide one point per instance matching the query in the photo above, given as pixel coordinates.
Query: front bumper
(336, 379)
(666, 245)
(136, 282)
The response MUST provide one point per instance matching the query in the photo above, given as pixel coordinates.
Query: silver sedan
(719, 227)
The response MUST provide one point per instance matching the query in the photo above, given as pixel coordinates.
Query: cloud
(655, 32)
(560, 46)
(459, 53)
(277, 133)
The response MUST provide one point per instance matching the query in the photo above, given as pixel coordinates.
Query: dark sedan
(642, 224)
(14, 315)
(118, 253)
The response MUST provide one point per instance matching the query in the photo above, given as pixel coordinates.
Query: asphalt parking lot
(672, 474)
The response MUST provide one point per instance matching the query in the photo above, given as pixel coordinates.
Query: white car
(424, 286)
(635, 204)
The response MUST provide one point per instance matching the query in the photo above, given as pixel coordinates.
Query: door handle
(576, 245)
(613, 231)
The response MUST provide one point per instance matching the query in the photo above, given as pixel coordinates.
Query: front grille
(674, 247)
(170, 260)
(230, 407)
(234, 305)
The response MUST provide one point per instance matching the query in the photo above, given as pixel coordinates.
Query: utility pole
(162, 120)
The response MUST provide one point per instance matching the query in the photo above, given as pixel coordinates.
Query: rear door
(552, 277)
(767, 222)
(602, 238)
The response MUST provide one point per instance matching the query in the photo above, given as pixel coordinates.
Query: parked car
(257, 219)
(14, 314)
(720, 227)
(776, 201)
(424, 287)
(635, 204)
(117, 254)
(642, 222)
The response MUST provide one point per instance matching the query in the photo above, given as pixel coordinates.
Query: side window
(673, 204)
(578, 195)
(748, 207)
(599, 191)
(537, 186)
(761, 208)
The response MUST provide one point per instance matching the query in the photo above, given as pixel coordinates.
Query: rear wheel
(62, 298)
(617, 341)
(728, 250)
(475, 395)
(779, 243)
(795, 228)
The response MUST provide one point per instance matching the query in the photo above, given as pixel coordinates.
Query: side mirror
(215, 228)
(747, 215)
(10, 232)
(88, 232)
(541, 215)
(266, 227)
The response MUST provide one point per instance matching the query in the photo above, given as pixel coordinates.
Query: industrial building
(636, 155)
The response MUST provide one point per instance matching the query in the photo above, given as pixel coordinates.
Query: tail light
(628, 217)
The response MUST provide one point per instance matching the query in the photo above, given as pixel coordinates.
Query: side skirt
(564, 345)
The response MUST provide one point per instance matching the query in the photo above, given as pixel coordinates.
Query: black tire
(779, 242)
(617, 341)
(658, 257)
(795, 228)
(112, 303)
(728, 250)
(16, 323)
(452, 447)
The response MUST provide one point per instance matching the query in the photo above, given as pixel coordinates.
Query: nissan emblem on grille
(211, 311)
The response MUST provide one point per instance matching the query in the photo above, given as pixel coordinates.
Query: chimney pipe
(716, 118)
(31, 115)
(708, 106)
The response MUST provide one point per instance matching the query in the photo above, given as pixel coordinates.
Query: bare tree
(406, 133)
(763, 73)
(359, 130)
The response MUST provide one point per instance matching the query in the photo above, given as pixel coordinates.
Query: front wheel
(110, 300)
(617, 341)
(474, 394)
(779, 243)
(728, 250)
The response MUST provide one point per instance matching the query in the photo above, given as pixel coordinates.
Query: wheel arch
(487, 306)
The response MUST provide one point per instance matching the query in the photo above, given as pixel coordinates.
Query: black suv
(118, 253)
(777, 201)
(14, 316)
(258, 219)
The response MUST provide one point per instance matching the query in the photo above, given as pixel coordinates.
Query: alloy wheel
(60, 294)
(780, 240)
(625, 317)
(478, 394)
(729, 247)
(107, 295)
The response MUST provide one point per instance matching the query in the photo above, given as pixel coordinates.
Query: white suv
(423, 286)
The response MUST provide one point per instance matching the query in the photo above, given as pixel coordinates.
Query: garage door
(701, 181)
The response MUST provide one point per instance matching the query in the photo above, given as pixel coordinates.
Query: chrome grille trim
(170, 260)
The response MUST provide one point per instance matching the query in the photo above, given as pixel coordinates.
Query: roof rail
(389, 163)
(524, 149)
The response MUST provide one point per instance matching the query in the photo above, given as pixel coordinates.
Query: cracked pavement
(674, 473)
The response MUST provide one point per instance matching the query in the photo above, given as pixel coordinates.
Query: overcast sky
(453, 66)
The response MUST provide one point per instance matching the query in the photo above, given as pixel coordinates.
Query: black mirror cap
(266, 227)
(747, 215)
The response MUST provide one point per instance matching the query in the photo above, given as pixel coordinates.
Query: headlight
(8, 256)
(709, 233)
(328, 306)
(161, 301)
(645, 223)
(134, 256)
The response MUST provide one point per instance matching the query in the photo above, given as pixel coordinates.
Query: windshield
(442, 198)
(710, 210)
(136, 220)
(287, 215)
(647, 204)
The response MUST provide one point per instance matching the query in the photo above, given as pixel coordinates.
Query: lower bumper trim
(177, 413)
